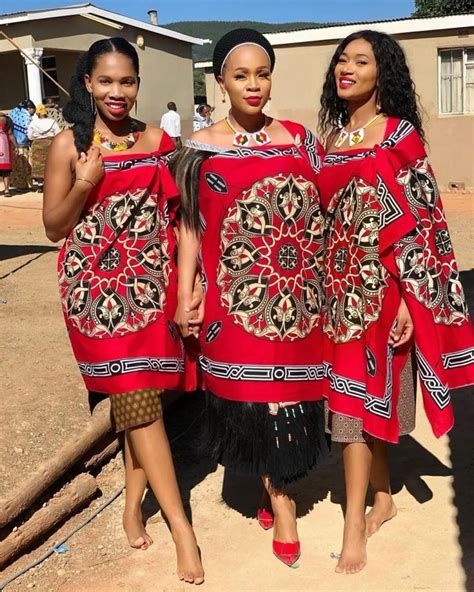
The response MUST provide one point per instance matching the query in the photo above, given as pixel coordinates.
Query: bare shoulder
(210, 135)
(64, 140)
(63, 148)
(153, 132)
(151, 135)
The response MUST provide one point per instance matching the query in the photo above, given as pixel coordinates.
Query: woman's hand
(197, 306)
(89, 167)
(402, 330)
(189, 314)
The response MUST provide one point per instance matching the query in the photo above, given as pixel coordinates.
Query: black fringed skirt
(248, 439)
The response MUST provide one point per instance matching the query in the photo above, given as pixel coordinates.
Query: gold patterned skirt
(346, 429)
(136, 408)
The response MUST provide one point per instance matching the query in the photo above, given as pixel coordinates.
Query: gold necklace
(243, 138)
(356, 136)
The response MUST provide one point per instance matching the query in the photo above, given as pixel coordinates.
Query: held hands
(189, 314)
(402, 329)
(89, 167)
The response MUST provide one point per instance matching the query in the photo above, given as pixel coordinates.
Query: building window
(50, 90)
(456, 80)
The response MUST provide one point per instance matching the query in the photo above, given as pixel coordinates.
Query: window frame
(464, 50)
(49, 70)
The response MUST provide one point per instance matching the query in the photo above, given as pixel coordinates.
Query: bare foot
(353, 556)
(190, 568)
(383, 510)
(137, 536)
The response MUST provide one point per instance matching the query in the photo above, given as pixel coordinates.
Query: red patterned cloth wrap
(117, 279)
(262, 257)
(386, 237)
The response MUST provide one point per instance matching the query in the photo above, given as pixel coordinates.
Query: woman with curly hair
(392, 284)
(109, 194)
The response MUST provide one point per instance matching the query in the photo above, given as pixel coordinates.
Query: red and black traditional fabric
(386, 238)
(117, 278)
(261, 343)
(262, 257)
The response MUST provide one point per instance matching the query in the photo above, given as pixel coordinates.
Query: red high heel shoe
(265, 518)
(288, 553)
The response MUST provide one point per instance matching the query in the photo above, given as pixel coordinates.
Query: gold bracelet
(86, 180)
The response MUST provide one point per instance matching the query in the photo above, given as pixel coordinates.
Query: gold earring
(223, 97)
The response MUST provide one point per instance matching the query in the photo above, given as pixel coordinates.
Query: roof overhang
(394, 27)
(90, 9)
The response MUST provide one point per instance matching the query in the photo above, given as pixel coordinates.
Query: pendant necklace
(357, 135)
(243, 138)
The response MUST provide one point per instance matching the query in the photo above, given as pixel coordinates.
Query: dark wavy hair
(79, 110)
(397, 96)
(185, 166)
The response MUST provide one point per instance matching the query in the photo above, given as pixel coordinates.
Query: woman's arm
(187, 267)
(64, 199)
(13, 140)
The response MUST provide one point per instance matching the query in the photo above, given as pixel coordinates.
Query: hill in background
(215, 29)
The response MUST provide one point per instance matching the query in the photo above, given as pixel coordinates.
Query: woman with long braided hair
(109, 194)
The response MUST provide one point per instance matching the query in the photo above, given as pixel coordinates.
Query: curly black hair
(397, 96)
(79, 110)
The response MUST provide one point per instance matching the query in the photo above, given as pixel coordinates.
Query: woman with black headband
(252, 227)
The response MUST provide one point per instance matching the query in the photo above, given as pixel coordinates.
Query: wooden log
(101, 454)
(72, 497)
(21, 498)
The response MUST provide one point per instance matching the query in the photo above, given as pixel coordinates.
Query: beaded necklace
(243, 138)
(356, 136)
(99, 138)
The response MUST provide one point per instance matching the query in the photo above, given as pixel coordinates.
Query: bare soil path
(429, 546)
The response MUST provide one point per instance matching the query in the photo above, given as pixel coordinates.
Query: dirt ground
(429, 546)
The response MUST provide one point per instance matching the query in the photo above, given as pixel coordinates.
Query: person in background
(7, 149)
(171, 124)
(41, 132)
(202, 118)
(54, 111)
(21, 117)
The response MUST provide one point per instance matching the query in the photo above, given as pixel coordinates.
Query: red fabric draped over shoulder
(386, 237)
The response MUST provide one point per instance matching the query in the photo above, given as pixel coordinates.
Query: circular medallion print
(271, 258)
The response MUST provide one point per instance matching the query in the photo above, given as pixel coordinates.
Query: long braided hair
(79, 110)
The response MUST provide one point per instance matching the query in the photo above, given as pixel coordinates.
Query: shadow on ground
(12, 251)
(461, 443)
(184, 421)
(410, 462)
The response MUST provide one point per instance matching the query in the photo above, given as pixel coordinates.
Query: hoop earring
(93, 105)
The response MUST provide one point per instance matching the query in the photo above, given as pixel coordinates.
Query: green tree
(199, 83)
(442, 7)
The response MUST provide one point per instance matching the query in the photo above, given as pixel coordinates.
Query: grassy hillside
(215, 29)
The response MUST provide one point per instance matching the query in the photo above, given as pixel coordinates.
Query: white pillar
(33, 74)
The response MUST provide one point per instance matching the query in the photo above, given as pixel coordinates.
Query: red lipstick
(254, 101)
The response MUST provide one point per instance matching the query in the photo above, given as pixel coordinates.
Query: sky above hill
(270, 11)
